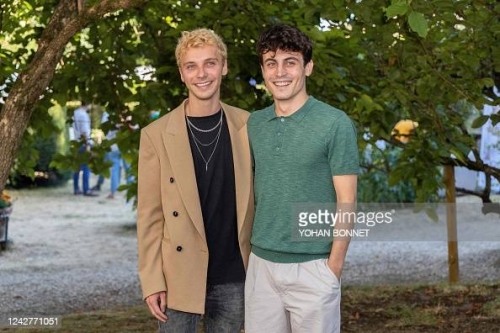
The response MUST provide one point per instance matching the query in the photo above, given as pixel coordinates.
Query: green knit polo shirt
(295, 158)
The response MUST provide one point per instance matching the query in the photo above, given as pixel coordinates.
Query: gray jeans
(224, 312)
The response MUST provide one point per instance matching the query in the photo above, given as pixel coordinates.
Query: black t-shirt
(216, 188)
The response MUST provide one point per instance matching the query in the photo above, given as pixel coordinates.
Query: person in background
(82, 131)
(195, 199)
(99, 183)
(305, 151)
(117, 163)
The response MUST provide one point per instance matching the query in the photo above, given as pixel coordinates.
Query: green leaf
(396, 9)
(341, 97)
(432, 214)
(486, 82)
(418, 23)
(479, 121)
(238, 86)
(463, 148)
(495, 119)
(458, 155)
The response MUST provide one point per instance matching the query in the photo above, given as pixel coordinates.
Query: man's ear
(224, 68)
(309, 67)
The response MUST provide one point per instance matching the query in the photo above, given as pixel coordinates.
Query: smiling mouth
(203, 84)
(282, 83)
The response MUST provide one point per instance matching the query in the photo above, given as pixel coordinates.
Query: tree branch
(35, 78)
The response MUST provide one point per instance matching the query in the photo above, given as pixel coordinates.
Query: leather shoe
(90, 194)
(78, 192)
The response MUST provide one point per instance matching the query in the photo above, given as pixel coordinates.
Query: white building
(489, 152)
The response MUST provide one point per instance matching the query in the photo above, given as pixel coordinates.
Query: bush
(41, 175)
(44, 137)
(374, 178)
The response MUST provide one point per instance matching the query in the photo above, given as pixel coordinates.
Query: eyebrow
(205, 60)
(286, 59)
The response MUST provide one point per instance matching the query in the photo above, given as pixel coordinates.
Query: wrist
(335, 267)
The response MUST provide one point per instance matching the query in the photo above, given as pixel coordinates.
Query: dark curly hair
(286, 38)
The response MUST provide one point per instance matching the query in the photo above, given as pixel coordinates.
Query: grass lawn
(426, 308)
(408, 309)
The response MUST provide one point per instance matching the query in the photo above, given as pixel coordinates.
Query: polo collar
(298, 115)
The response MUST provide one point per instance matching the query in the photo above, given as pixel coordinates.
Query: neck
(285, 108)
(202, 108)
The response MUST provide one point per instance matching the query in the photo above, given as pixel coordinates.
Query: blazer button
(179, 248)
(175, 213)
(171, 179)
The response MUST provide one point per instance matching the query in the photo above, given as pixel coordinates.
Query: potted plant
(5, 210)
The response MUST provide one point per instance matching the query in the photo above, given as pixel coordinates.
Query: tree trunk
(35, 78)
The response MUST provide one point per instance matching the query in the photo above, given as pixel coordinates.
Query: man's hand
(157, 304)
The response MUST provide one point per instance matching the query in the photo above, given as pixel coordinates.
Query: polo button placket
(279, 136)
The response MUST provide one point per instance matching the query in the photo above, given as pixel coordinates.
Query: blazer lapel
(176, 141)
(241, 160)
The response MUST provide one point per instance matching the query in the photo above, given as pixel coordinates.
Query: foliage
(381, 61)
(374, 185)
(25, 174)
(41, 142)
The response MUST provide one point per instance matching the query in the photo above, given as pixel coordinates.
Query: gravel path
(68, 254)
(72, 253)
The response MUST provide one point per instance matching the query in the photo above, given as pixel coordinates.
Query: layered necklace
(218, 127)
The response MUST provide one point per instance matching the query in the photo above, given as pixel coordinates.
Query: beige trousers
(298, 297)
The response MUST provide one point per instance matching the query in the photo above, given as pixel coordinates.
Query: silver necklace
(205, 130)
(201, 143)
(196, 141)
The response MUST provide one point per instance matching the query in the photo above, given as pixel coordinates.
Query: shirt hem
(285, 257)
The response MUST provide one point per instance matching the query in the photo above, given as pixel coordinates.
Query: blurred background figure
(82, 131)
(117, 163)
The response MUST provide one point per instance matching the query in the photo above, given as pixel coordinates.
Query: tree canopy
(434, 62)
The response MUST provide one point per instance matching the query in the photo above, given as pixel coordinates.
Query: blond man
(195, 199)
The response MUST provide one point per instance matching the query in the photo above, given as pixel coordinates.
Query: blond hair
(198, 38)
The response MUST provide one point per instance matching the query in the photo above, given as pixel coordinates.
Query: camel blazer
(172, 247)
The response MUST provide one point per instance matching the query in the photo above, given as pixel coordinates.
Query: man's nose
(202, 72)
(281, 70)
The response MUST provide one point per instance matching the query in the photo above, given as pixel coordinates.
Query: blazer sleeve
(150, 219)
